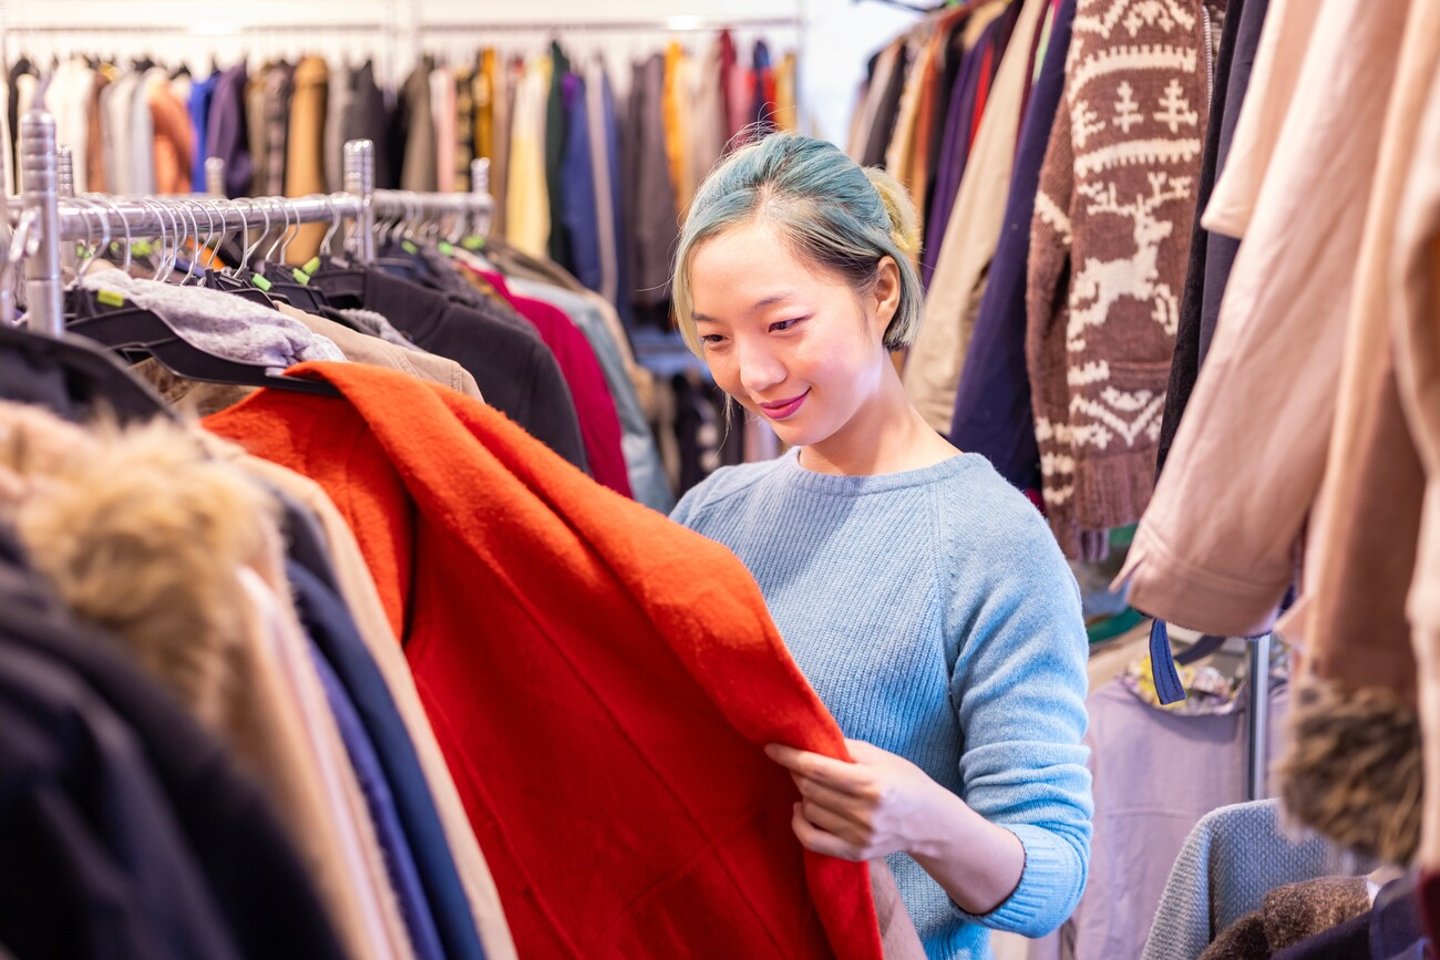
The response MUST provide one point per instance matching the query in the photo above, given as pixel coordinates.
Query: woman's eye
(784, 324)
(711, 339)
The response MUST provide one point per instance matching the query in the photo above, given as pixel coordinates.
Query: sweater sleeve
(1019, 690)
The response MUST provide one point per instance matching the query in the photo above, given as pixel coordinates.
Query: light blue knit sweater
(932, 612)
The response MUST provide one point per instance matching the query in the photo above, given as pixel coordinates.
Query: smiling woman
(924, 598)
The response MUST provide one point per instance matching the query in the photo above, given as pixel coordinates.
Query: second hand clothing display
(310, 590)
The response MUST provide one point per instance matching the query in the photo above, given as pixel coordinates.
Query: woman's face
(792, 342)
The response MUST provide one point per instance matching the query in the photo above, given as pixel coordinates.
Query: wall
(836, 37)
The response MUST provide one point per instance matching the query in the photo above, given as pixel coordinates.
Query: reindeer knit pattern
(1109, 247)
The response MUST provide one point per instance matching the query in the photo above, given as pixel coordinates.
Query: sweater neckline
(856, 485)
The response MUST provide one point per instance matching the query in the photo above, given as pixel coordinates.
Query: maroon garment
(595, 407)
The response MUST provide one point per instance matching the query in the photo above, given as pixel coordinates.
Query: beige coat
(357, 588)
(1415, 317)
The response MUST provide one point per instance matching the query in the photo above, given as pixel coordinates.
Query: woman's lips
(784, 409)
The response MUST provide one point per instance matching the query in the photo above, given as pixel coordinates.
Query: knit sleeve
(1019, 691)
(1045, 297)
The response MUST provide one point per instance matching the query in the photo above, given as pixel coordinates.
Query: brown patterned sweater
(1109, 246)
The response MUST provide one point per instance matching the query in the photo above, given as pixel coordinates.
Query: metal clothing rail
(675, 24)
(50, 218)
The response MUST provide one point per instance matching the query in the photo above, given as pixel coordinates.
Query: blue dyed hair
(834, 213)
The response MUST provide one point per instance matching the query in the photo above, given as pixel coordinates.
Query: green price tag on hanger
(301, 277)
(473, 243)
(447, 248)
(111, 298)
(142, 248)
(409, 247)
(311, 266)
(260, 282)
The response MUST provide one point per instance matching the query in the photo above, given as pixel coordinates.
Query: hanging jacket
(226, 133)
(264, 891)
(602, 681)
(650, 222)
(554, 138)
(975, 222)
(1109, 247)
(579, 217)
(202, 95)
(305, 149)
(992, 414)
(594, 407)
(1211, 254)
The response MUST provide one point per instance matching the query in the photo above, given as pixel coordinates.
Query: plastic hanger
(291, 283)
(108, 318)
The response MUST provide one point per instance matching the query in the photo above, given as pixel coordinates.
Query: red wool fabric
(595, 407)
(601, 680)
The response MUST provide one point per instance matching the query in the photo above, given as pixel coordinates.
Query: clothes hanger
(239, 280)
(342, 281)
(293, 284)
(130, 330)
(67, 375)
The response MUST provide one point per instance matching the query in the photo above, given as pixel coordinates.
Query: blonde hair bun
(904, 221)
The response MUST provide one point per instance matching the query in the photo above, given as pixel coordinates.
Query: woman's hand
(878, 805)
(883, 804)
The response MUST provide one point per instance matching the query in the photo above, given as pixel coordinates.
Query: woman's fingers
(820, 841)
(842, 775)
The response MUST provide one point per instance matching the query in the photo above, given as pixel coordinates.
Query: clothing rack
(48, 217)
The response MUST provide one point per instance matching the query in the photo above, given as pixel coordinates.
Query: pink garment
(599, 423)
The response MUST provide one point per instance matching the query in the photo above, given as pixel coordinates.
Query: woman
(922, 596)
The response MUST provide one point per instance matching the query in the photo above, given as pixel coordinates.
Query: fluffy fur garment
(1354, 770)
(139, 532)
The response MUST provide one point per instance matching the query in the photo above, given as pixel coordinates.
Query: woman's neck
(887, 435)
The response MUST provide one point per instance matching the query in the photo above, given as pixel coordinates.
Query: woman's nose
(760, 369)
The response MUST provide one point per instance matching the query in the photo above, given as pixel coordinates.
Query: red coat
(601, 680)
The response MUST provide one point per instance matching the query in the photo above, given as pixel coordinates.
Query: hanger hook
(124, 222)
(190, 207)
(84, 211)
(285, 212)
(90, 204)
(168, 261)
(178, 226)
(213, 230)
(249, 250)
(333, 228)
(243, 215)
(151, 206)
(290, 235)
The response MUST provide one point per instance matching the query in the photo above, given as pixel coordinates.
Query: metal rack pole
(480, 175)
(1258, 721)
(42, 269)
(480, 187)
(360, 183)
(215, 176)
(676, 24)
(65, 190)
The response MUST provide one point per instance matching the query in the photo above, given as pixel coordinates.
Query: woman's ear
(885, 296)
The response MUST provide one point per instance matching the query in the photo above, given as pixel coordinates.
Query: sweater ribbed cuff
(1049, 889)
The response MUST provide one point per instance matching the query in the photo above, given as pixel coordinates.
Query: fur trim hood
(1354, 769)
(141, 533)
